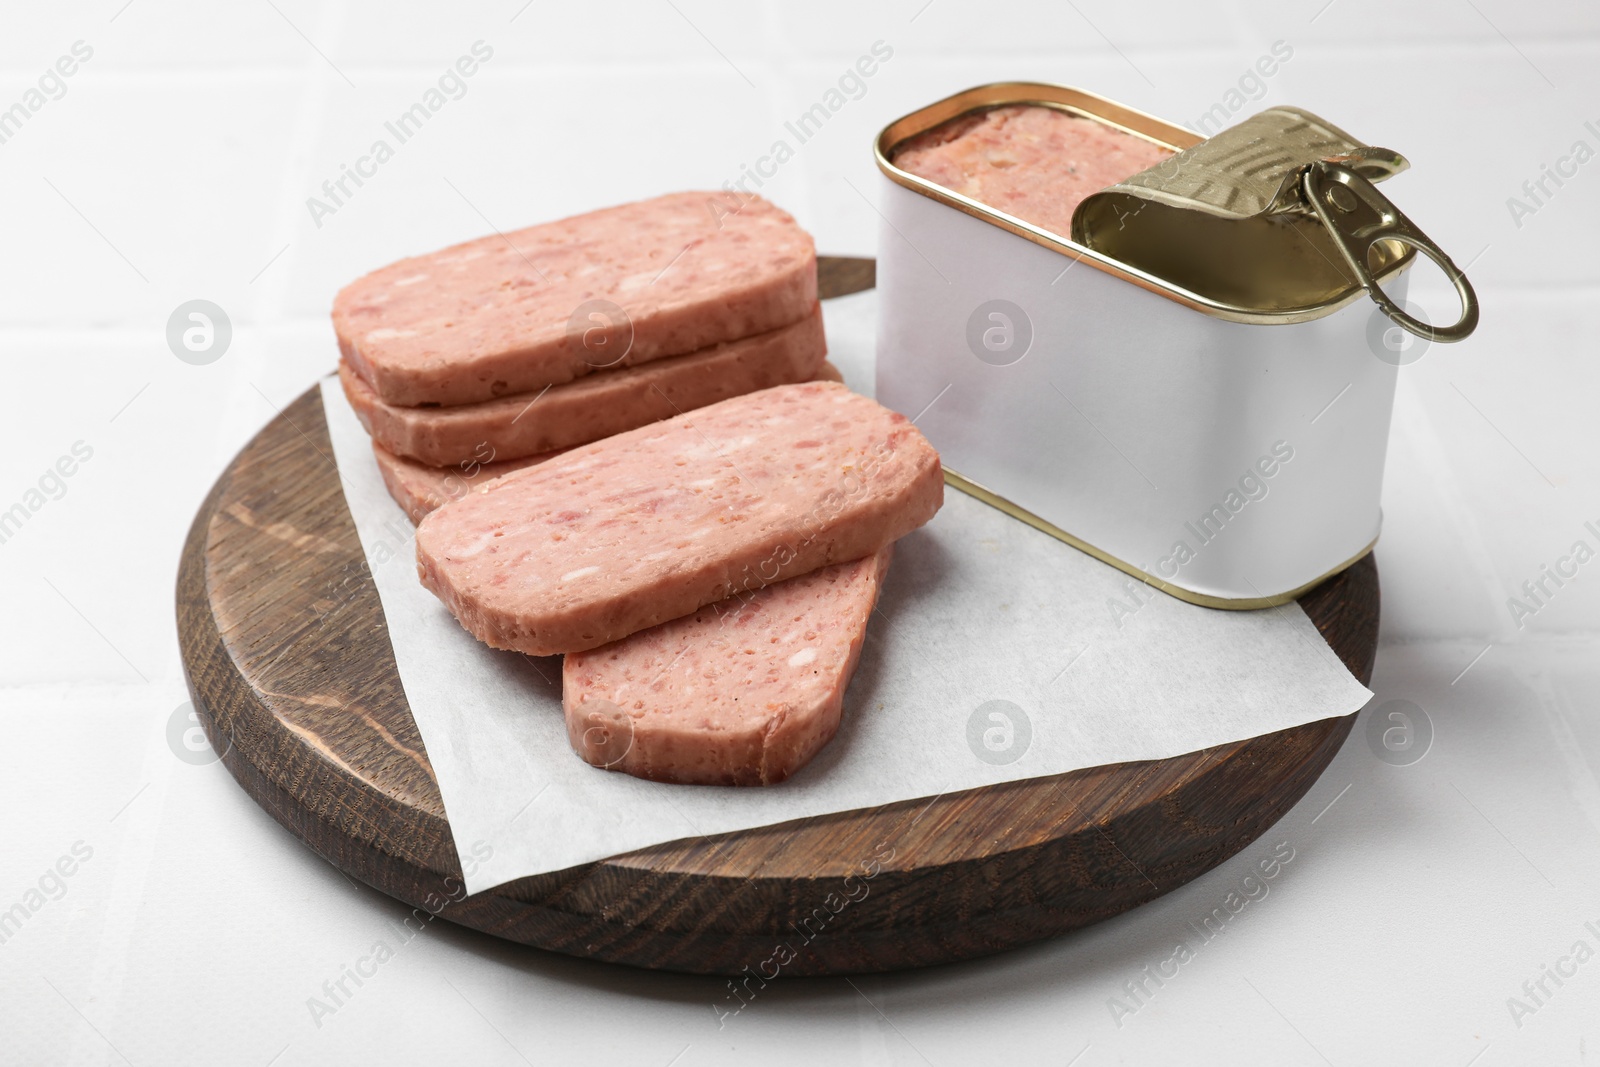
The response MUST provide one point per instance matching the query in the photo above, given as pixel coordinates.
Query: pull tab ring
(1357, 216)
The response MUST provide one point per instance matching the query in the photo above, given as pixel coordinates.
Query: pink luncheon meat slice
(594, 406)
(650, 525)
(419, 488)
(742, 692)
(513, 313)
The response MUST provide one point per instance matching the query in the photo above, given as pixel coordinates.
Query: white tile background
(177, 166)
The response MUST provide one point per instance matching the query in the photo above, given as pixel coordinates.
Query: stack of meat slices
(702, 535)
(520, 344)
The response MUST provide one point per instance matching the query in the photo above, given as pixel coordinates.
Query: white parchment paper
(996, 655)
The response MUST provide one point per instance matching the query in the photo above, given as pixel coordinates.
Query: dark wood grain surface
(292, 673)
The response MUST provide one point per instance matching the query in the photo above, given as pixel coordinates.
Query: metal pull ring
(1358, 216)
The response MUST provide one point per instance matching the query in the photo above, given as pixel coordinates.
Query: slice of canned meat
(650, 525)
(591, 407)
(1036, 163)
(419, 488)
(516, 312)
(742, 692)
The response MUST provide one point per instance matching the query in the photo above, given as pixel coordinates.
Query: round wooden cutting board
(291, 672)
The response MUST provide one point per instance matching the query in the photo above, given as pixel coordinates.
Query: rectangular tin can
(1231, 458)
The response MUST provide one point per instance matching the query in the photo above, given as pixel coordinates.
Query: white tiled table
(177, 165)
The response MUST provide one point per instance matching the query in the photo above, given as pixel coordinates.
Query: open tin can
(1192, 385)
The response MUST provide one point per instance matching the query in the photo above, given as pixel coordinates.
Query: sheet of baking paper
(998, 653)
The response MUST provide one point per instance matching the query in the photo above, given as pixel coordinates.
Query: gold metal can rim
(1205, 600)
(1099, 109)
